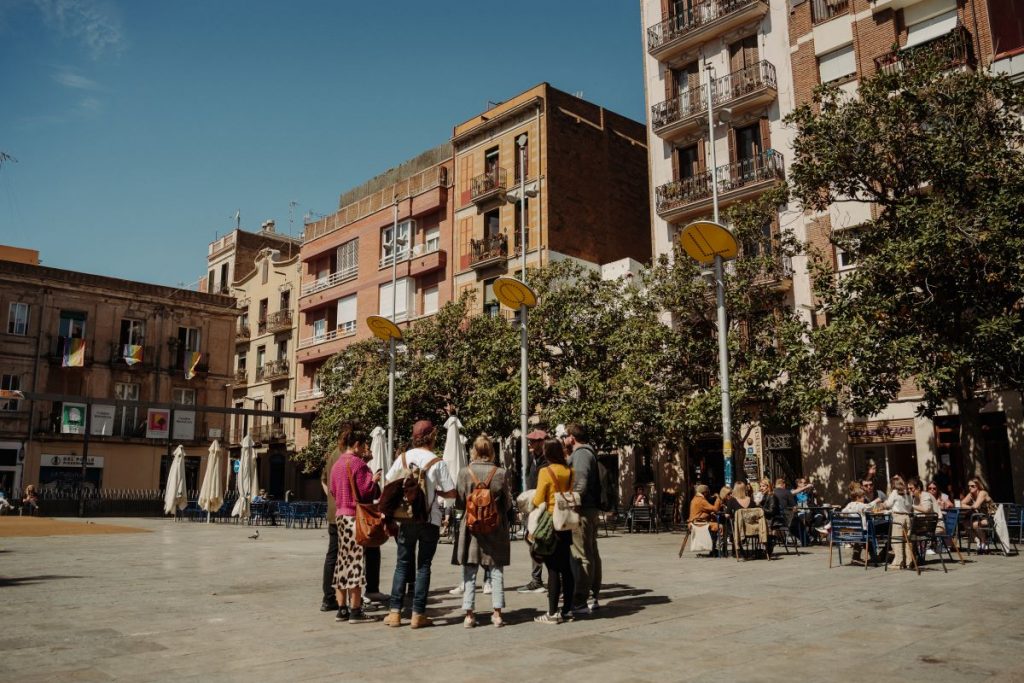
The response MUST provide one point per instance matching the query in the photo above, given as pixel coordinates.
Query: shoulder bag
(371, 528)
(565, 516)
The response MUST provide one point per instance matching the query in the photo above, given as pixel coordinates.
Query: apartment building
(384, 252)
(261, 271)
(96, 339)
(841, 42)
(583, 174)
(742, 48)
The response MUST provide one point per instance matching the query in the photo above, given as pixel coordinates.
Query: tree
(936, 296)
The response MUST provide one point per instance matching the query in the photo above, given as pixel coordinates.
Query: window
(132, 332)
(282, 349)
(930, 29)
(432, 239)
(347, 314)
(1008, 28)
(11, 383)
(319, 328)
(209, 282)
(224, 278)
(492, 307)
(188, 338)
(72, 324)
(185, 397)
(743, 53)
(17, 319)
(492, 225)
(689, 162)
(400, 299)
(243, 357)
(491, 161)
(126, 417)
(525, 156)
(261, 357)
(286, 300)
(404, 242)
(761, 245)
(845, 260)
(517, 227)
(348, 258)
(430, 300)
(837, 65)
(262, 320)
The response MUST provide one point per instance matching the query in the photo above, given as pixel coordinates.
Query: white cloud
(92, 22)
(70, 79)
(89, 105)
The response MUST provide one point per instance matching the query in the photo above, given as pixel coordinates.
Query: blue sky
(139, 127)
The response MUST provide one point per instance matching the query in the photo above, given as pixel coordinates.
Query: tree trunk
(971, 439)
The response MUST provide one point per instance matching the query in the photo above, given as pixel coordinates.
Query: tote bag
(565, 516)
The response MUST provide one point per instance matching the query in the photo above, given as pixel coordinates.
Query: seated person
(5, 505)
(871, 494)
(639, 497)
(945, 503)
(260, 497)
(702, 511)
(860, 505)
(740, 499)
(804, 493)
(979, 501)
(30, 503)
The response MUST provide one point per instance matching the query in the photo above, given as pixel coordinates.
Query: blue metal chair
(285, 514)
(1014, 520)
(849, 527)
(951, 522)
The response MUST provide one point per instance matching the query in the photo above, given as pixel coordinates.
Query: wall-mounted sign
(72, 418)
(70, 461)
(101, 420)
(881, 431)
(184, 425)
(158, 423)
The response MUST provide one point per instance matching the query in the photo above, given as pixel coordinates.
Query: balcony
(823, 10)
(56, 351)
(699, 23)
(679, 116)
(261, 327)
(738, 180)
(242, 334)
(951, 50)
(241, 377)
(741, 90)
(177, 363)
(274, 370)
(309, 394)
(263, 433)
(488, 251)
(280, 321)
(428, 263)
(120, 355)
(331, 280)
(488, 189)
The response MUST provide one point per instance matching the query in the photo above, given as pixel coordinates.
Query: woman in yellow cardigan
(556, 478)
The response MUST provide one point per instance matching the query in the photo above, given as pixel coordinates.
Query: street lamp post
(710, 242)
(386, 329)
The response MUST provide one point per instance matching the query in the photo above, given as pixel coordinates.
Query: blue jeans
(493, 575)
(409, 535)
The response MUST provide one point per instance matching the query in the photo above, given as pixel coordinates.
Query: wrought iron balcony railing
(489, 249)
(763, 167)
(694, 17)
(280, 321)
(749, 79)
(486, 184)
(951, 50)
(689, 102)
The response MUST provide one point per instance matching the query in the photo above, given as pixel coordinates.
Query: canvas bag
(565, 516)
(700, 538)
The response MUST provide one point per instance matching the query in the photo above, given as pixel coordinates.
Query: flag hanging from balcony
(74, 353)
(132, 354)
(191, 363)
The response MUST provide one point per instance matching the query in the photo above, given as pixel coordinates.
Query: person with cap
(587, 483)
(535, 442)
(419, 539)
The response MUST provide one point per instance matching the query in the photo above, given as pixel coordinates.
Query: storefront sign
(72, 418)
(881, 431)
(101, 420)
(158, 423)
(70, 461)
(184, 425)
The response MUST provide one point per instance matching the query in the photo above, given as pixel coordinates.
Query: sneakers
(469, 621)
(458, 590)
(358, 616)
(549, 619)
(329, 606)
(420, 621)
(487, 588)
(497, 620)
(929, 551)
(532, 587)
(343, 614)
(593, 604)
(822, 530)
(580, 610)
(393, 619)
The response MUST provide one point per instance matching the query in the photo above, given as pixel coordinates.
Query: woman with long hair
(980, 503)
(553, 479)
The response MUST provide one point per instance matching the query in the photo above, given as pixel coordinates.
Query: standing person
(535, 442)
(587, 483)
(419, 539)
(372, 597)
(900, 503)
(330, 602)
(772, 514)
(351, 483)
(557, 477)
(490, 548)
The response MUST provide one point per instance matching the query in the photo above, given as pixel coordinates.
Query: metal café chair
(852, 528)
(918, 534)
(1014, 520)
(951, 523)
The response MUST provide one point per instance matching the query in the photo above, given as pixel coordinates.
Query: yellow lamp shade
(383, 328)
(512, 293)
(704, 240)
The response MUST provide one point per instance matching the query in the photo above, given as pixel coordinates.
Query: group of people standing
(351, 575)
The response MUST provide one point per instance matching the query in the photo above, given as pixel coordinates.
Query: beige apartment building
(353, 266)
(261, 271)
(91, 339)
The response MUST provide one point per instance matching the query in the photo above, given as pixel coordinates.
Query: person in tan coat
(701, 511)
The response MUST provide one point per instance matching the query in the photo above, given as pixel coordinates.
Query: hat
(422, 428)
(561, 432)
(537, 435)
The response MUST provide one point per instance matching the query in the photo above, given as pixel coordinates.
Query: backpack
(609, 488)
(481, 509)
(544, 539)
(412, 505)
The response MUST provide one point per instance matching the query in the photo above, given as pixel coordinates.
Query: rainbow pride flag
(191, 363)
(132, 354)
(74, 353)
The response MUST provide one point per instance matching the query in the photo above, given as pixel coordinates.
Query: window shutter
(702, 157)
(670, 84)
(733, 150)
(766, 140)
(675, 164)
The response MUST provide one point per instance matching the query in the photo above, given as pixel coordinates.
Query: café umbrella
(175, 497)
(247, 481)
(211, 494)
(454, 449)
(379, 459)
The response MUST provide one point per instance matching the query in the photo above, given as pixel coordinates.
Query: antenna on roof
(578, 94)
(291, 219)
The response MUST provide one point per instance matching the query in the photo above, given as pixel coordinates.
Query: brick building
(347, 260)
(585, 184)
(101, 338)
(841, 42)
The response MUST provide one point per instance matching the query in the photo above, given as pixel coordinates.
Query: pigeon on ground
(255, 535)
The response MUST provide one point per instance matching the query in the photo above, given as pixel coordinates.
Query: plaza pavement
(196, 602)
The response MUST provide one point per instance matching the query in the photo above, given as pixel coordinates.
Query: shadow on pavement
(20, 580)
